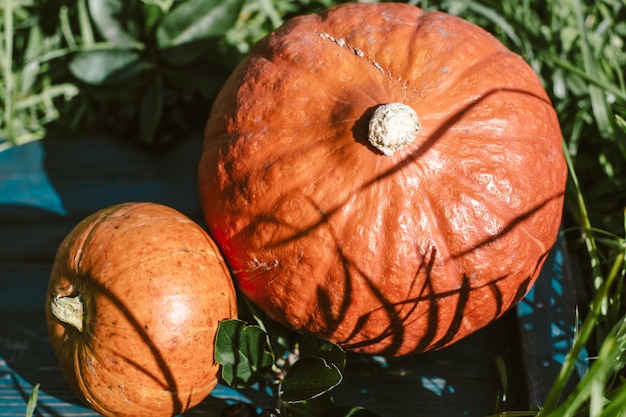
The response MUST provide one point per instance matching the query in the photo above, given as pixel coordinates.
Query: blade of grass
(592, 385)
(598, 101)
(617, 299)
(599, 304)
(270, 10)
(609, 352)
(615, 402)
(588, 236)
(596, 81)
(8, 68)
(498, 20)
(32, 401)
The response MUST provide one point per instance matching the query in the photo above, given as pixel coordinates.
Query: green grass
(32, 401)
(576, 47)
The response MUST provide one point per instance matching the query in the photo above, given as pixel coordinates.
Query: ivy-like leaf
(110, 17)
(309, 378)
(197, 19)
(100, 66)
(242, 351)
(312, 346)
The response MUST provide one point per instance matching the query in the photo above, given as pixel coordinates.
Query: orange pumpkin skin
(153, 287)
(383, 254)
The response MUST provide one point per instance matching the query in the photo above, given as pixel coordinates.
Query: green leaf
(311, 346)
(280, 337)
(151, 109)
(309, 378)
(152, 15)
(620, 122)
(100, 66)
(194, 20)
(110, 17)
(242, 352)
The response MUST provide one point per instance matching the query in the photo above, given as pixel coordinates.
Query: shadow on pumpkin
(51, 185)
(398, 321)
(164, 378)
(399, 314)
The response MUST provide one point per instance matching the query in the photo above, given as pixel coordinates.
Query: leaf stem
(84, 22)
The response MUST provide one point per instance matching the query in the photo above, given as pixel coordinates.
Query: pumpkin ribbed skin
(388, 254)
(153, 287)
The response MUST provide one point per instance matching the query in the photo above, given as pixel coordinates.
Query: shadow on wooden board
(75, 176)
(548, 317)
(461, 380)
(47, 187)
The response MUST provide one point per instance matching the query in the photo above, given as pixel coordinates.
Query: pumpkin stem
(393, 126)
(68, 310)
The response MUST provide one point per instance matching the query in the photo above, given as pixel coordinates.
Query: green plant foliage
(32, 96)
(241, 351)
(105, 66)
(309, 378)
(158, 43)
(197, 20)
(311, 346)
(110, 19)
(148, 70)
(306, 373)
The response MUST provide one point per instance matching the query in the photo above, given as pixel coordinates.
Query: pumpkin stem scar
(393, 126)
(340, 42)
(255, 264)
(68, 310)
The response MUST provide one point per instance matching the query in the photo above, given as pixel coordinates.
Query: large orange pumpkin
(133, 303)
(386, 177)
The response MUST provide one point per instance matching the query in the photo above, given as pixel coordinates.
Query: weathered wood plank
(460, 380)
(547, 320)
(74, 177)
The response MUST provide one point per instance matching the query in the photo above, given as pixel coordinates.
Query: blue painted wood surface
(547, 319)
(47, 187)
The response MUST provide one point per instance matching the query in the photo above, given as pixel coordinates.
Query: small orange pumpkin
(132, 307)
(389, 178)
